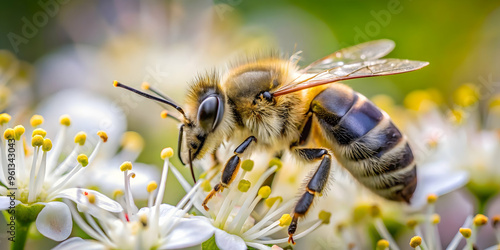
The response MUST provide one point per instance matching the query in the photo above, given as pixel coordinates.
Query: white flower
(157, 226)
(240, 218)
(34, 178)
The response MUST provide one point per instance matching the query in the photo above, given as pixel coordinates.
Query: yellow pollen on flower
(152, 186)
(132, 141)
(126, 166)
(247, 165)
(244, 185)
(164, 114)
(466, 95)
(435, 219)
(285, 220)
(18, 132)
(432, 198)
(145, 85)
(419, 100)
(382, 244)
(205, 185)
(117, 192)
(40, 132)
(83, 160)
(4, 118)
(495, 221)
(37, 141)
(415, 241)
(36, 120)
(270, 201)
(9, 134)
(91, 197)
(47, 145)
(65, 120)
(324, 216)
(264, 192)
(102, 135)
(457, 116)
(480, 220)
(115, 83)
(466, 232)
(412, 223)
(375, 211)
(133, 175)
(80, 138)
(167, 153)
(275, 162)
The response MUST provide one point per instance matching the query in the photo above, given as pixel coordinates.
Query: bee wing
(362, 69)
(361, 52)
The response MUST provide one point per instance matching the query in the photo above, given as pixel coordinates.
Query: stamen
(65, 121)
(36, 120)
(456, 239)
(4, 118)
(9, 134)
(243, 186)
(480, 220)
(247, 165)
(80, 138)
(381, 229)
(466, 232)
(150, 188)
(40, 132)
(416, 241)
(18, 132)
(40, 177)
(382, 245)
(285, 220)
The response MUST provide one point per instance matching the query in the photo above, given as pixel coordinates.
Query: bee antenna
(168, 102)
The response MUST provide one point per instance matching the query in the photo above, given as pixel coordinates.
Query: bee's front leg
(315, 185)
(230, 170)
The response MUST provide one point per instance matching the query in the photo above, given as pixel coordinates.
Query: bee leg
(230, 170)
(315, 185)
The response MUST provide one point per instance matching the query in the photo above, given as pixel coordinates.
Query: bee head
(206, 109)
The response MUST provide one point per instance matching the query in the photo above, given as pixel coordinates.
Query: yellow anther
(65, 120)
(382, 244)
(47, 145)
(247, 165)
(466, 232)
(117, 192)
(412, 223)
(285, 220)
(270, 201)
(435, 219)
(4, 118)
(132, 175)
(91, 197)
(164, 114)
(494, 102)
(264, 192)
(205, 185)
(115, 83)
(145, 85)
(37, 141)
(480, 220)
(419, 100)
(324, 216)
(126, 166)
(152, 186)
(375, 211)
(102, 135)
(9, 134)
(167, 153)
(83, 160)
(495, 221)
(36, 120)
(40, 132)
(457, 116)
(415, 241)
(432, 198)
(80, 138)
(132, 141)
(18, 132)
(466, 95)
(275, 162)
(244, 185)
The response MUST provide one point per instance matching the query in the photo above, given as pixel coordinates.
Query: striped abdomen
(366, 142)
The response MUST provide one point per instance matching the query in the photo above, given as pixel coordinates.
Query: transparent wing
(362, 69)
(362, 52)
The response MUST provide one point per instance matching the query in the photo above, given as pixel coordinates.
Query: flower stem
(22, 230)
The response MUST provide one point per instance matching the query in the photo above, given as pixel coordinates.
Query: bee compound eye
(210, 112)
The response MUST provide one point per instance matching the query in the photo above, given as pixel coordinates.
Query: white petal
(227, 241)
(54, 221)
(5, 203)
(79, 243)
(436, 179)
(189, 232)
(101, 201)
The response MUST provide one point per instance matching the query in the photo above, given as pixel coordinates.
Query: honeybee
(269, 103)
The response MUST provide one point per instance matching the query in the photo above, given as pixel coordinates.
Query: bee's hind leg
(230, 170)
(315, 185)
